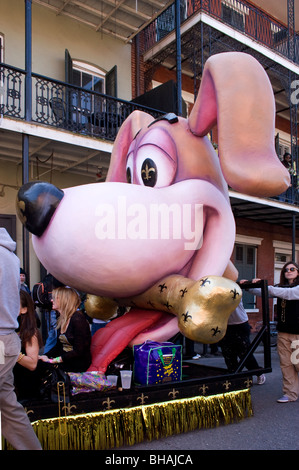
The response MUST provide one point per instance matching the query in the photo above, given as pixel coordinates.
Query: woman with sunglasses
(287, 293)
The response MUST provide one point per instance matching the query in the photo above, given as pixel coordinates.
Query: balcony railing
(238, 14)
(64, 106)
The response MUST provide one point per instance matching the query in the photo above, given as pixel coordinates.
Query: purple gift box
(157, 363)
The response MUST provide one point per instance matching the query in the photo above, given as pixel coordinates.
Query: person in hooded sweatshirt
(16, 427)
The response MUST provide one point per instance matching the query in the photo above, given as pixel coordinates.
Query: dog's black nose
(36, 204)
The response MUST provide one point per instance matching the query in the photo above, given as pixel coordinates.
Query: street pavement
(273, 426)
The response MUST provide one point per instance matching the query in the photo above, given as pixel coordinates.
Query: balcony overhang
(121, 19)
(54, 150)
(226, 30)
(64, 136)
(264, 210)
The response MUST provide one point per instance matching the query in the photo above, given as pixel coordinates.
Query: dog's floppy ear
(236, 94)
(125, 136)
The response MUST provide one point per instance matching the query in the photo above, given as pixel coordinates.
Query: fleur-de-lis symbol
(248, 383)
(186, 316)
(162, 287)
(235, 293)
(109, 403)
(173, 393)
(147, 172)
(151, 304)
(204, 282)
(226, 384)
(168, 305)
(203, 389)
(142, 398)
(216, 330)
(68, 408)
(183, 291)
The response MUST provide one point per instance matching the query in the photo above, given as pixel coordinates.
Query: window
(91, 79)
(1, 48)
(232, 12)
(282, 149)
(279, 33)
(83, 104)
(282, 258)
(10, 224)
(239, 253)
(88, 77)
(282, 145)
(245, 262)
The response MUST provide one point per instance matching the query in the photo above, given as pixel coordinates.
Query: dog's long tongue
(110, 341)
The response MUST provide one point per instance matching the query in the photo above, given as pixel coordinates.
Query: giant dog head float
(108, 239)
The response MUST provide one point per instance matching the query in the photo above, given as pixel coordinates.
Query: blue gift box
(157, 362)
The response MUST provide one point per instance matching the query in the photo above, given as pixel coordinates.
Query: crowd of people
(20, 339)
(21, 365)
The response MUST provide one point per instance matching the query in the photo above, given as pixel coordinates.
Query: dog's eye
(154, 167)
(129, 176)
(129, 169)
(149, 173)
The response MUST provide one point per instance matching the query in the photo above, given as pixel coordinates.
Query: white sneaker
(283, 399)
(197, 356)
(261, 379)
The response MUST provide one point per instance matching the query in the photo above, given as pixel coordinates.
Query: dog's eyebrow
(170, 117)
(136, 134)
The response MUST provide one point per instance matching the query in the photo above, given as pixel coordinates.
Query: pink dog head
(100, 238)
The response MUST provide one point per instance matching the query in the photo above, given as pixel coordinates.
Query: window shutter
(111, 82)
(68, 67)
(277, 144)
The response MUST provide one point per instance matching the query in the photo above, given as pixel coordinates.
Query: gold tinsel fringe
(129, 426)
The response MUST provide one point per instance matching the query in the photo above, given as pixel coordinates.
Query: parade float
(157, 239)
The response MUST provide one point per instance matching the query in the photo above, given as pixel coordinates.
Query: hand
(242, 281)
(44, 358)
(256, 280)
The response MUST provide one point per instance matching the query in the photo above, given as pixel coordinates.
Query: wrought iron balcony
(240, 15)
(64, 106)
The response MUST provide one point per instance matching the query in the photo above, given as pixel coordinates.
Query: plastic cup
(112, 379)
(126, 377)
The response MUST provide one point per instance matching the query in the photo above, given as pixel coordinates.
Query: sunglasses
(290, 269)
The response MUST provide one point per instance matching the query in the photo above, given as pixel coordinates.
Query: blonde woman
(72, 350)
